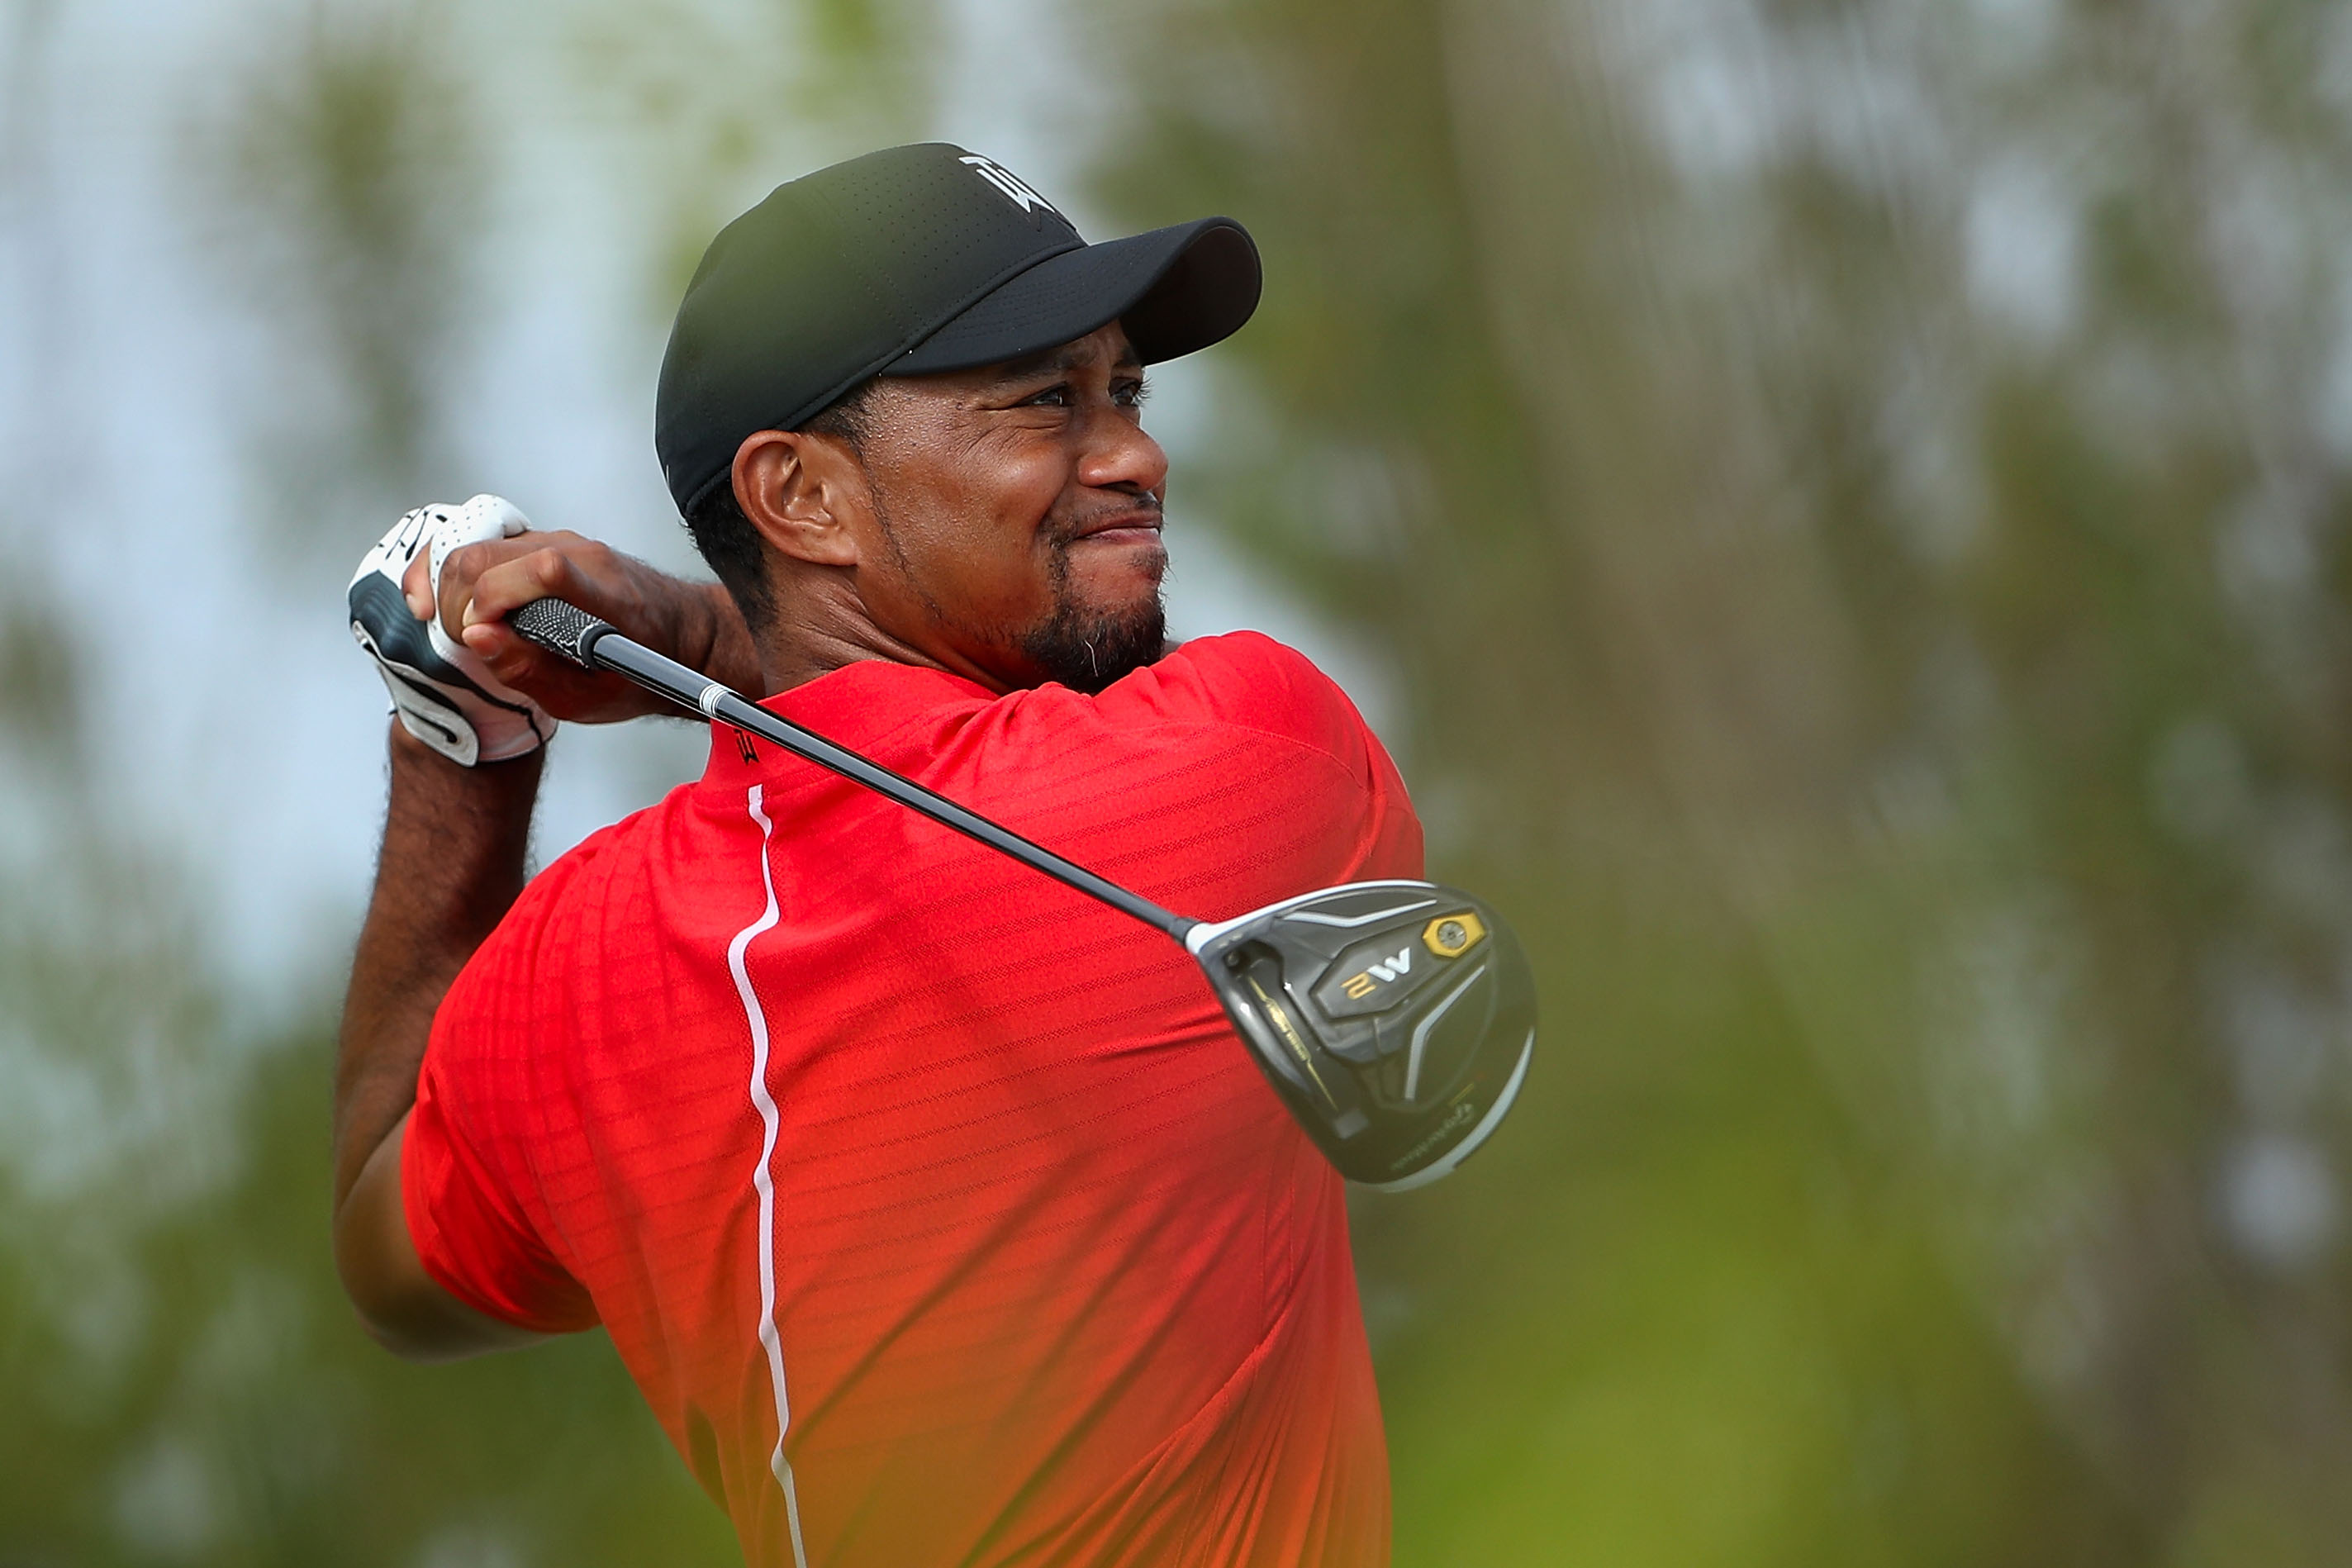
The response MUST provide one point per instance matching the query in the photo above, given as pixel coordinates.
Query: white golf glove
(445, 695)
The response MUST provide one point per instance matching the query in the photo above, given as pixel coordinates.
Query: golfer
(935, 1209)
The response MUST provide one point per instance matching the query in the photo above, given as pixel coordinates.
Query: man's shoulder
(574, 890)
(1248, 679)
(590, 935)
(1244, 655)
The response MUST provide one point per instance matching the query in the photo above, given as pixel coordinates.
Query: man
(935, 1210)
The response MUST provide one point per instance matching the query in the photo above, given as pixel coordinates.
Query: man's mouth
(1126, 528)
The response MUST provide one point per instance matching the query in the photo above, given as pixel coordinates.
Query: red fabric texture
(1054, 1278)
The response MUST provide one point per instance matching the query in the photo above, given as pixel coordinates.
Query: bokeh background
(1839, 506)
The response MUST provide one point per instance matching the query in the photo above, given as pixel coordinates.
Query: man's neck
(821, 624)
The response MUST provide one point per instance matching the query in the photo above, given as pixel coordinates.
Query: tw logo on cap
(1014, 188)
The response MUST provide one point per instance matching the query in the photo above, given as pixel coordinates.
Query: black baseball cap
(909, 261)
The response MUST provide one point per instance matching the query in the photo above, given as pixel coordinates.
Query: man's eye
(1131, 393)
(1052, 397)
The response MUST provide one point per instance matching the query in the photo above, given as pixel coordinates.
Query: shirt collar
(854, 706)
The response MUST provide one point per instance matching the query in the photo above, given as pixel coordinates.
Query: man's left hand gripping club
(445, 694)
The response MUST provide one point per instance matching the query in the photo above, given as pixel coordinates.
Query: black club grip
(560, 629)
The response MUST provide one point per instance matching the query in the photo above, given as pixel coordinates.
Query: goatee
(1087, 650)
(1084, 647)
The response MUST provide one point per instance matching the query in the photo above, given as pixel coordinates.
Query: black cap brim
(1176, 289)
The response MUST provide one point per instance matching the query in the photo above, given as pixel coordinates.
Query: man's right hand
(695, 623)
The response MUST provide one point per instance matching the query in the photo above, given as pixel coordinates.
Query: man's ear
(805, 492)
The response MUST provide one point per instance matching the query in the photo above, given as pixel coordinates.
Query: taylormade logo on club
(1010, 183)
(1360, 986)
(1460, 1113)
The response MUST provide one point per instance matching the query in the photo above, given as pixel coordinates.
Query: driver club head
(1395, 1019)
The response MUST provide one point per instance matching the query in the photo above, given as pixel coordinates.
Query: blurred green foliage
(243, 1418)
(1853, 493)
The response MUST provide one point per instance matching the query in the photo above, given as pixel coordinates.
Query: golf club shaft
(593, 644)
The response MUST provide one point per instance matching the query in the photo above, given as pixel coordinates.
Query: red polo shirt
(934, 1207)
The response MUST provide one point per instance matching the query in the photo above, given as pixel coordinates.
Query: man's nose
(1119, 455)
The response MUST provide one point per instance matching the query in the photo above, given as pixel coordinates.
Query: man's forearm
(452, 863)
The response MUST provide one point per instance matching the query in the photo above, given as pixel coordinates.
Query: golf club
(1395, 1019)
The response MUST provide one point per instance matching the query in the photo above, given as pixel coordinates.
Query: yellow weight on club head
(1451, 936)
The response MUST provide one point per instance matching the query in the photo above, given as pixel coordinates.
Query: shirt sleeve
(464, 1160)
